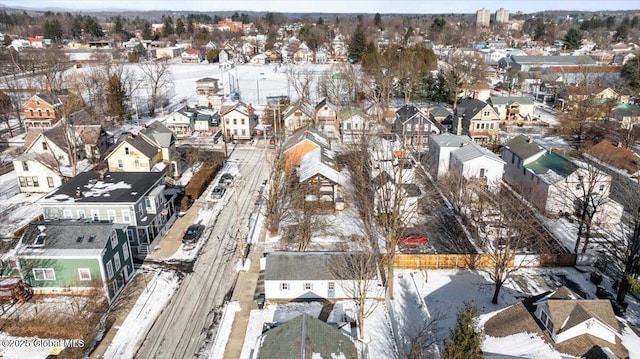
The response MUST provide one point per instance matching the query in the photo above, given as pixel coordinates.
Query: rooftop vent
(78, 192)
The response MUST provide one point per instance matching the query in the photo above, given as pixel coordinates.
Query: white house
(308, 275)
(478, 163)
(181, 122)
(566, 316)
(238, 121)
(354, 124)
(514, 108)
(440, 147)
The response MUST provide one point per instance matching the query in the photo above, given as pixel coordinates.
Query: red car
(413, 238)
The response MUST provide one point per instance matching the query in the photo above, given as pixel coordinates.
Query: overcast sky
(331, 6)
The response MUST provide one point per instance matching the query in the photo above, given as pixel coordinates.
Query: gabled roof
(237, 106)
(324, 102)
(140, 144)
(297, 106)
(159, 134)
(301, 265)
(82, 118)
(352, 112)
(567, 313)
(64, 234)
(446, 140)
(472, 151)
(32, 134)
(470, 107)
(523, 146)
(509, 100)
(306, 134)
(553, 60)
(115, 187)
(48, 97)
(207, 79)
(318, 161)
(407, 111)
(440, 112)
(306, 337)
(89, 134)
(56, 135)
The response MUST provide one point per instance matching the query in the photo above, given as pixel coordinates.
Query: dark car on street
(225, 179)
(192, 234)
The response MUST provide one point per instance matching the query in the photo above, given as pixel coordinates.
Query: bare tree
(455, 187)
(420, 338)
(504, 227)
(52, 63)
(70, 145)
(301, 82)
(160, 79)
(276, 198)
(462, 71)
(358, 274)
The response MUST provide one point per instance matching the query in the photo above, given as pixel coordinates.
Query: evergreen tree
(180, 27)
(573, 39)
(377, 21)
(631, 72)
(464, 341)
(358, 44)
(147, 34)
(92, 28)
(438, 25)
(53, 30)
(167, 27)
(118, 27)
(7, 40)
(622, 32)
(117, 99)
(76, 27)
(539, 32)
(320, 22)
(213, 55)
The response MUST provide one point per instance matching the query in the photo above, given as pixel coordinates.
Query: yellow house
(135, 154)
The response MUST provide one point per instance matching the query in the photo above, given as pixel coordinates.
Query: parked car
(413, 238)
(192, 234)
(225, 179)
(218, 192)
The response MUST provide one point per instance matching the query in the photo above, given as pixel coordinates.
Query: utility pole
(238, 233)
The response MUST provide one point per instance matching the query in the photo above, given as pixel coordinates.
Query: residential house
(513, 110)
(354, 125)
(555, 183)
(326, 118)
(414, 127)
(305, 334)
(627, 114)
(207, 121)
(135, 199)
(386, 155)
(306, 275)
(478, 120)
(388, 189)
(259, 59)
(36, 42)
(192, 55)
(51, 157)
(238, 121)
(322, 55)
(527, 63)
(479, 90)
(623, 166)
(302, 142)
(320, 180)
(207, 86)
(93, 137)
(561, 321)
(75, 255)
(443, 116)
(296, 116)
(225, 59)
(591, 75)
(152, 149)
(478, 164)
(181, 122)
(41, 110)
(574, 96)
(303, 55)
(440, 148)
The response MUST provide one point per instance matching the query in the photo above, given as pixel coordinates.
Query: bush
(201, 179)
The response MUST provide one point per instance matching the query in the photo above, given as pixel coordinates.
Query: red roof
(585, 69)
(192, 51)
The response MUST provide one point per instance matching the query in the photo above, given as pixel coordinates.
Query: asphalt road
(185, 328)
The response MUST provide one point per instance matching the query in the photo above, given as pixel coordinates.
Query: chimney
(78, 192)
(529, 140)
(619, 144)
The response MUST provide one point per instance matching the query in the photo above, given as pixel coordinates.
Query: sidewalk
(244, 293)
(172, 240)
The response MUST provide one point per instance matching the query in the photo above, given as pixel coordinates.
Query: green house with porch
(75, 256)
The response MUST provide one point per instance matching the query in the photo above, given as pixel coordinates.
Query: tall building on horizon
(483, 17)
(502, 16)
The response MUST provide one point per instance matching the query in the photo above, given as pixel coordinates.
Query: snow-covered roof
(472, 151)
(318, 161)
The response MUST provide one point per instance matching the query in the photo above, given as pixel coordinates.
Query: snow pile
(224, 329)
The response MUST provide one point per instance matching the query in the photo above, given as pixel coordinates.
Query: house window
(113, 238)
(44, 146)
(50, 182)
(235, 121)
(140, 212)
(579, 186)
(126, 150)
(486, 113)
(84, 274)
(226, 120)
(25, 166)
(126, 216)
(43, 274)
(23, 182)
(66, 213)
(308, 286)
(48, 112)
(284, 286)
(95, 215)
(109, 270)
(39, 113)
(235, 131)
(332, 285)
(80, 213)
(120, 164)
(30, 112)
(136, 163)
(116, 260)
(512, 159)
(601, 188)
(482, 171)
(111, 215)
(243, 132)
(125, 251)
(34, 180)
(130, 235)
(348, 126)
(242, 121)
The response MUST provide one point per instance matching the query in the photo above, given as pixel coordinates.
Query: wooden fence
(435, 261)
